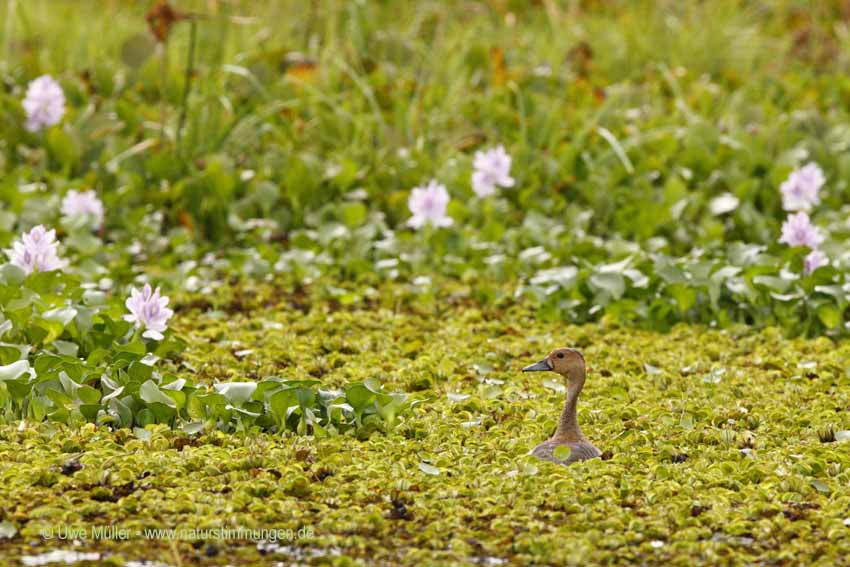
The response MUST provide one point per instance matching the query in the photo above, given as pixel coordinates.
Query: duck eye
(560, 355)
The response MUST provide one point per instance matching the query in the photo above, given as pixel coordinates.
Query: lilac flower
(36, 251)
(798, 230)
(148, 309)
(83, 203)
(492, 169)
(428, 205)
(800, 190)
(44, 103)
(814, 260)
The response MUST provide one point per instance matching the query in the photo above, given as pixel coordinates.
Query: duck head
(565, 361)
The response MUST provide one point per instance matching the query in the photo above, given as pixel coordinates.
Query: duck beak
(542, 366)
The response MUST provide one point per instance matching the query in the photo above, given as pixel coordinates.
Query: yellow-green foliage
(718, 447)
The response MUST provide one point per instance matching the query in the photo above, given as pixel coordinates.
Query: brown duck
(569, 363)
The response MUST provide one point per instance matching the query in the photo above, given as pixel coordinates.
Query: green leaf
(359, 396)
(562, 452)
(150, 393)
(429, 469)
(609, 282)
(88, 395)
(62, 147)
(63, 315)
(237, 393)
(14, 370)
(12, 274)
(829, 315)
(353, 214)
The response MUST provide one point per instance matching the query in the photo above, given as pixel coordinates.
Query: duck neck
(568, 429)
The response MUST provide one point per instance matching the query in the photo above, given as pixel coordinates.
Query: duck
(569, 363)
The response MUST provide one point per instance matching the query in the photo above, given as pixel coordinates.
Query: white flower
(814, 260)
(800, 190)
(492, 169)
(148, 310)
(36, 251)
(44, 103)
(428, 205)
(83, 203)
(798, 230)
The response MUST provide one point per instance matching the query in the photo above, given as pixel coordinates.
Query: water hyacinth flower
(428, 204)
(36, 251)
(814, 260)
(492, 169)
(44, 103)
(83, 203)
(798, 230)
(800, 190)
(148, 309)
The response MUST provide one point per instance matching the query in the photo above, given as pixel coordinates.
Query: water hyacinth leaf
(84, 242)
(177, 396)
(94, 297)
(266, 388)
(13, 353)
(143, 434)
(113, 394)
(14, 370)
(88, 395)
(19, 390)
(564, 277)
(46, 331)
(373, 385)
(12, 274)
(336, 412)
(281, 402)
(136, 348)
(175, 385)
(722, 204)
(457, 397)
(236, 393)
(829, 315)
(353, 214)
(359, 396)
(389, 406)
(89, 411)
(777, 284)
(39, 406)
(162, 413)
(243, 411)
(150, 393)
(66, 348)
(429, 469)
(193, 428)
(668, 271)
(139, 372)
(685, 296)
(562, 452)
(305, 396)
(63, 147)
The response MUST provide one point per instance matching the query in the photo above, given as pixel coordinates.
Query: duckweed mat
(719, 448)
